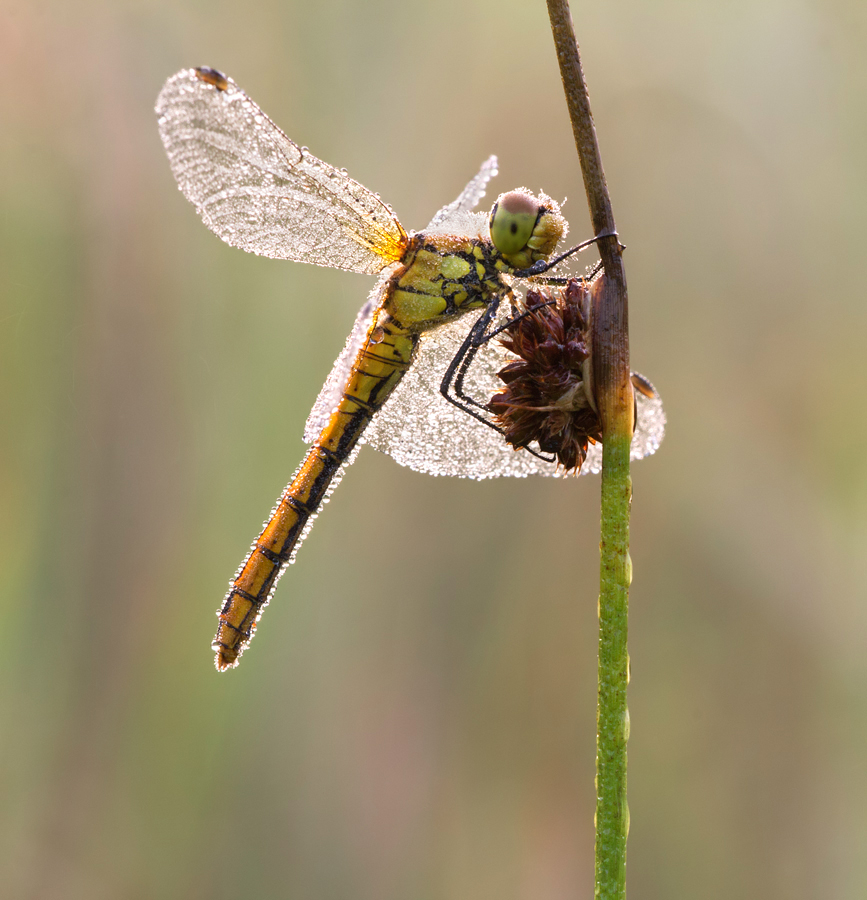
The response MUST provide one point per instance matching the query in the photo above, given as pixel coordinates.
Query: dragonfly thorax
(444, 276)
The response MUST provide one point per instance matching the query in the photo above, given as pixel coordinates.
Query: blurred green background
(416, 717)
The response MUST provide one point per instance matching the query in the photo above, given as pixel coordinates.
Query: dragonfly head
(526, 228)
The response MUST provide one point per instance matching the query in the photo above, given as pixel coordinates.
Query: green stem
(610, 348)
(612, 716)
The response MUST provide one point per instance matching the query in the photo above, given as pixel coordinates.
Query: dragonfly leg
(454, 374)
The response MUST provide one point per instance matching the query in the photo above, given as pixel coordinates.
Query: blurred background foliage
(416, 717)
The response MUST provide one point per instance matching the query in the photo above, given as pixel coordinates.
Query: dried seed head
(545, 398)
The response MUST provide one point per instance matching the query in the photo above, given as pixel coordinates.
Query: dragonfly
(403, 382)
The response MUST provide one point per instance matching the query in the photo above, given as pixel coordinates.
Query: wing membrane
(260, 191)
(469, 197)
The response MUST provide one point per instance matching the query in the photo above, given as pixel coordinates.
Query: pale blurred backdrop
(416, 716)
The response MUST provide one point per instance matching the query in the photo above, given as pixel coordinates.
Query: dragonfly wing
(332, 390)
(420, 429)
(469, 197)
(649, 419)
(258, 190)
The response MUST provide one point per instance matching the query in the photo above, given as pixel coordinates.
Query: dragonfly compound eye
(513, 219)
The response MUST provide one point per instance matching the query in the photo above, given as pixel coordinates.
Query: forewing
(469, 197)
(260, 191)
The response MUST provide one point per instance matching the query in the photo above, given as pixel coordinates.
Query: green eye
(513, 220)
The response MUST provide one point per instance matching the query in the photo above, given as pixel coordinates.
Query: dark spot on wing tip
(212, 76)
(643, 386)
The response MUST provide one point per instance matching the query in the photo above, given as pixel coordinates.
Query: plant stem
(610, 348)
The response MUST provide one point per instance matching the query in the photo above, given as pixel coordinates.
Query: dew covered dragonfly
(416, 356)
